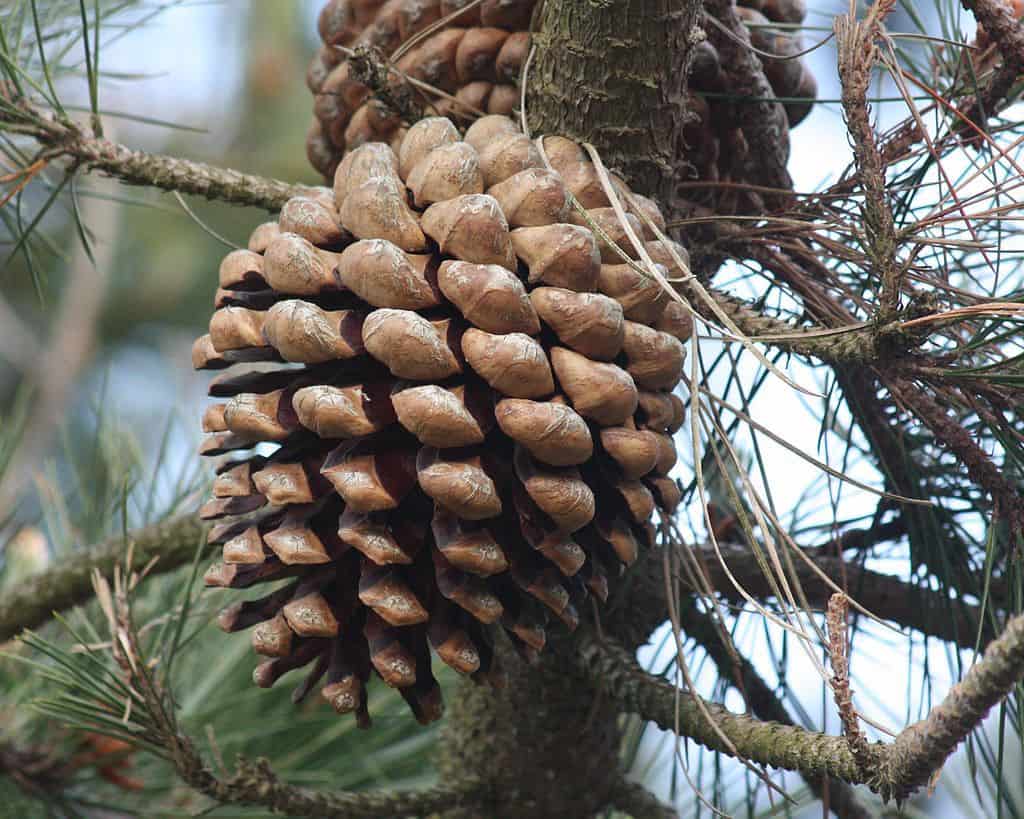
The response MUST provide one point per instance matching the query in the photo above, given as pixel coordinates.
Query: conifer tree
(496, 408)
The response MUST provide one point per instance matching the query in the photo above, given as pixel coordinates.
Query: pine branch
(68, 582)
(640, 607)
(174, 174)
(60, 139)
(788, 747)
(921, 749)
(895, 770)
(855, 47)
(836, 621)
(900, 143)
(255, 783)
(763, 703)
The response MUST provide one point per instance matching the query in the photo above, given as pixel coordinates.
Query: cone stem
(614, 74)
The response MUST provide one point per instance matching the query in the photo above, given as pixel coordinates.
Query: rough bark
(174, 174)
(545, 743)
(613, 73)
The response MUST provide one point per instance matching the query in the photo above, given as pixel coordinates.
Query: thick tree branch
(639, 607)
(920, 749)
(764, 743)
(68, 582)
(762, 702)
(895, 770)
(886, 596)
(255, 783)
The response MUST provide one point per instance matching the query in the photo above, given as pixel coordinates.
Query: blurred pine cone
(470, 403)
(477, 58)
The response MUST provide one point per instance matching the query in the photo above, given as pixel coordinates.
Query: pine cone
(789, 78)
(469, 401)
(477, 58)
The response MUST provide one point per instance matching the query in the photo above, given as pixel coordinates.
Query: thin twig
(857, 53)
(838, 654)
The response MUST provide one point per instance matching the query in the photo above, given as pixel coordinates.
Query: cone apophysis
(460, 401)
(476, 57)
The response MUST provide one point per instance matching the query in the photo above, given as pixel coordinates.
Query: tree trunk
(545, 743)
(548, 743)
(613, 73)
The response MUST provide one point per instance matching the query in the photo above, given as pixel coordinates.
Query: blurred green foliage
(117, 459)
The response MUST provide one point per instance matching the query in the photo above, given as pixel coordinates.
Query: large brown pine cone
(468, 409)
(477, 57)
